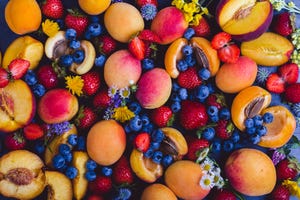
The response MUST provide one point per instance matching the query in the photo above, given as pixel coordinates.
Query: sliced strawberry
(194, 146)
(189, 78)
(142, 142)
(18, 68)
(202, 29)
(220, 40)
(229, 53)
(289, 72)
(137, 48)
(161, 116)
(4, 78)
(275, 83)
(33, 131)
(148, 35)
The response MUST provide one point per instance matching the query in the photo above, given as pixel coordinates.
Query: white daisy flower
(202, 154)
(220, 183)
(112, 91)
(207, 165)
(124, 92)
(207, 182)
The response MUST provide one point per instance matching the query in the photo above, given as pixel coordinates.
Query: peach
(122, 69)
(154, 88)
(106, 142)
(57, 105)
(250, 172)
(123, 28)
(16, 108)
(169, 24)
(270, 49)
(158, 191)
(244, 20)
(280, 130)
(183, 178)
(248, 103)
(233, 77)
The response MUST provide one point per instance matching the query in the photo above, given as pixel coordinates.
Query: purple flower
(59, 128)
(277, 157)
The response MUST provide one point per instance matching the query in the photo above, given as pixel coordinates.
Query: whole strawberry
(282, 24)
(33, 131)
(192, 115)
(287, 169)
(224, 194)
(215, 99)
(148, 36)
(77, 21)
(101, 185)
(224, 129)
(122, 173)
(47, 76)
(107, 44)
(91, 82)
(101, 100)
(162, 116)
(14, 141)
(86, 117)
(280, 193)
(194, 147)
(53, 9)
(189, 78)
(292, 93)
(141, 3)
(202, 29)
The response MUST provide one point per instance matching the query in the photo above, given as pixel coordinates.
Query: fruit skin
(86, 117)
(194, 146)
(282, 24)
(77, 21)
(280, 193)
(245, 168)
(122, 173)
(192, 115)
(224, 194)
(14, 141)
(53, 9)
(289, 72)
(275, 83)
(47, 76)
(101, 185)
(158, 191)
(94, 7)
(91, 82)
(101, 99)
(224, 129)
(148, 36)
(292, 93)
(107, 44)
(189, 78)
(20, 20)
(161, 116)
(286, 170)
(202, 29)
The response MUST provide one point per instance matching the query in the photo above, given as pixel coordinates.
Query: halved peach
(13, 112)
(145, 168)
(59, 186)
(247, 103)
(270, 49)
(280, 130)
(244, 20)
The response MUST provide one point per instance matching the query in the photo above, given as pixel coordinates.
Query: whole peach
(158, 191)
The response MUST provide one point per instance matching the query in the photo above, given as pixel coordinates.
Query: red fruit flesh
(220, 40)
(289, 73)
(33, 131)
(4, 78)
(142, 142)
(18, 68)
(137, 48)
(275, 83)
(229, 53)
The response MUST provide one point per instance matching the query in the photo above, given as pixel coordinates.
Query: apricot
(183, 178)
(280, 130)
(158, 191)
(250, 172)
(248, 103)
(233, 77)
(123, 28)
(59, 185)
(23, 16)
(106, 142)
(94, 7)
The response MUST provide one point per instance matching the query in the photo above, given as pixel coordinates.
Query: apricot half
(248, 103)
(59, 186)
(280, 130)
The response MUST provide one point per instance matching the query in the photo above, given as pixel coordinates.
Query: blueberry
(94, 29)
(81, 143)
(88, 35)
(175, 107)
(187, 50)
(214, 118)
(74, 44)
(78, 56)
(216, 146)
(64, 149)
(72, 139)
(175, 97)
(235, 137)
(135, 124)
(157, 157)
(148, 128)
(190, 60)
(189, 33)
(254, 139)
(175, 86)
(30, 78)
(39, 147)
(135, 107)
(68, 157)
(71, 34)
(202, 92)
(258, 120)
(157, 135)
(249, 122)
(145, 120)
(212, 111)
(167, 160)
(155, 145)
(90, 165)
(224, 113)
(268, 117)
(182, 65)
(66, 60)
(228, 145)
(38, 89)
(149, 153)
(107, 171)
(71, 172)
(208, 133)
(94, 18)
(211, 88)
(261, 130)
(123, 194)
(90, 175)
(204, 73)
(251, 130)
(183, 93)
(58, 161)
(100, 60)
(147, 64)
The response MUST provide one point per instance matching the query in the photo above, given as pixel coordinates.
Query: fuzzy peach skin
(106, 142)
(232, 78)
(57, 105)
(154, 88)
(169, 24)
(122, 69)
(158, 191)
(183, 178)
(250, 172)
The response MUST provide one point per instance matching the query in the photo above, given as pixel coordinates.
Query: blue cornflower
(148, 11)
(59, 128)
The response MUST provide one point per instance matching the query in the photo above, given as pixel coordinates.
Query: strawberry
(101, 185)
(292, 93)
(194, 146)
(215, 99)
(202, 29)
(280, 193)
(149, 36)
(224, 129)
(142, 142)
(53, 8)
(14, 141)
(229, 53)
(122, 173)
(107, 44)
(275, 83)
(86, 117)
(33, 131)
(47, 76)
(192, 115)
(141, 3)
(289, 72)
(137, 48)
(189, 78)
(220, 40)
(224, 194)
(18, 68)
(162, 116)
(282, 24)
(91, 82)
(77, 21)
(101, 99)
(4, 77)
(287, 169)
(95, 197)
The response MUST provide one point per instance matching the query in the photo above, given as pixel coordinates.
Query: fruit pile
(147, 99)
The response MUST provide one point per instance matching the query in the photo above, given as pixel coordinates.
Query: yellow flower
(50, 27)
(293, 187)
(178, 3)
(122, 114)
(74, 84)
(188, 17)
(196, 20)
(191, 8)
